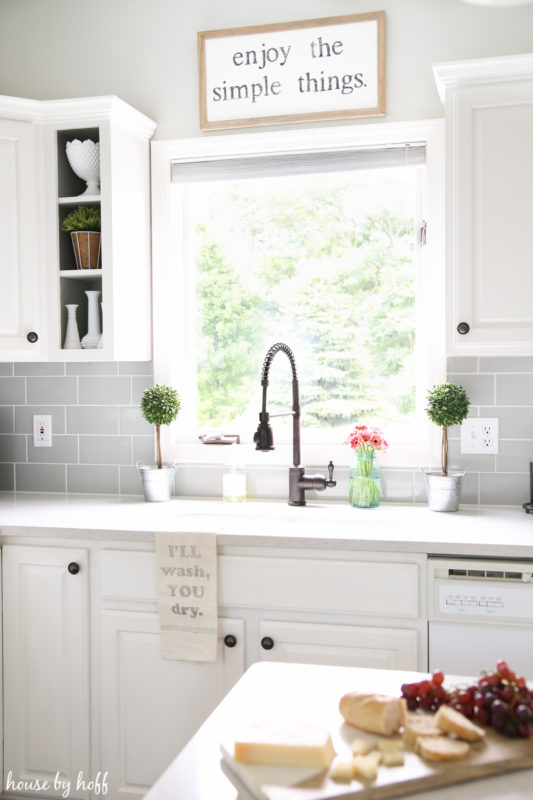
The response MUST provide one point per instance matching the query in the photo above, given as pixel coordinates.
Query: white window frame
(172, 362)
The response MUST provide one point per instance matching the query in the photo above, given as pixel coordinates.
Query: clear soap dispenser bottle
(233, 478)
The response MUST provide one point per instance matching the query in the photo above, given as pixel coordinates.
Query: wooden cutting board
(495, 755)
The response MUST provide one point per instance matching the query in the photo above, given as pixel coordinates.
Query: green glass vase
(365, 481)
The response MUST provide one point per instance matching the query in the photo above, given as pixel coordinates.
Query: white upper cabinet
(489, 204)
(40, 275)
(22, 279)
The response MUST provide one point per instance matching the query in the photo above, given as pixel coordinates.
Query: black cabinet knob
(230, 640)
(73, 568)
(32, 337)
(267, 643)
(463, 328)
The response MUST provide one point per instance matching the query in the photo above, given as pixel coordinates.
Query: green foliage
(160, 405)
(322, 269)
(229, 335)
(82, 218)
(448, 405)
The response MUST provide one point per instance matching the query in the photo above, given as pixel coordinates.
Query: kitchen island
(199, 773)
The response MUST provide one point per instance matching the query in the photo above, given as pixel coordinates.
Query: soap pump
(233, 478)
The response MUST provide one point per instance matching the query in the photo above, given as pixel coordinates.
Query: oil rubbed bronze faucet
(299, 483)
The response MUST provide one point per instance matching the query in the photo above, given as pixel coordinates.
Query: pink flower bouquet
(366, 439)
(365, 483)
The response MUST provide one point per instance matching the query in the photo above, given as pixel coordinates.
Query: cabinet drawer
(369, 588)
(128, 575)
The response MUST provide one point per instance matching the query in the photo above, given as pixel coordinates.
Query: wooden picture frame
(312, 70)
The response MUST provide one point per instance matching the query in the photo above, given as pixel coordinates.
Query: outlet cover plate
(479, 435)
(42, 430)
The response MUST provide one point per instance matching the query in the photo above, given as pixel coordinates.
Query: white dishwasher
(480, 611)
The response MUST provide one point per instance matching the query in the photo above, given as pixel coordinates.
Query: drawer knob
(73, 568)
(267, 643)
(463, 328)
(230, 640)
(32, 337)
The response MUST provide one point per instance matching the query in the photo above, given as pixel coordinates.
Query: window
(317, 245)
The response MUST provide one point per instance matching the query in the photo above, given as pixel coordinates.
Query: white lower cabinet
(46, 670)
(338, 645)
(87, 695)
(151, 706)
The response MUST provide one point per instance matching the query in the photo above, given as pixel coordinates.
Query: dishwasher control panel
(480, 590)
(489, 601)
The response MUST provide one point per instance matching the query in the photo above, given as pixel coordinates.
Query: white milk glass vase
(72, 337)
(94, 330)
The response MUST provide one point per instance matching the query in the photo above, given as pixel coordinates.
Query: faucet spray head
(263, 437)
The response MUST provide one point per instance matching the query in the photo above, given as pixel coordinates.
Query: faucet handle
(330, 482)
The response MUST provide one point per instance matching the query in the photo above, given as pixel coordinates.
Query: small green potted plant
(160, 405)
(84, 225)
(448, 405)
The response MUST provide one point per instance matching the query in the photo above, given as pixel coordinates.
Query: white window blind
(298, 163)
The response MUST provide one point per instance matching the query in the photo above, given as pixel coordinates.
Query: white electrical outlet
(479, 435)
(42, 430)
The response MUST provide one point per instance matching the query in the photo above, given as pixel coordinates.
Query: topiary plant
(82, 218)
(448, 404)
(160, 406)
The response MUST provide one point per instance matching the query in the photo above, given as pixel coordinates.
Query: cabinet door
(490, 207)
(338, 645)
(46, 669)
(151, 706)
(22, 300)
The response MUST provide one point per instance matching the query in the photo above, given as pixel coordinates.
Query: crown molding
(454, 74)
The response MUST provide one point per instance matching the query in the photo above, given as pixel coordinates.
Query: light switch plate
(479, 435)
(42, 430)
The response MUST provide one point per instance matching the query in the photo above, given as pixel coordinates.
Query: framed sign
(319, 69)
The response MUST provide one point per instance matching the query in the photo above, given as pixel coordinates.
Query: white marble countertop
(493, 531)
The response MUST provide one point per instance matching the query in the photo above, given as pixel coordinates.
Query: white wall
(144, 51)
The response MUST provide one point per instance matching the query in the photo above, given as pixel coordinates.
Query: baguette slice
(296, 743)
(420, 725)
(451, 721)
(376, 713)
(441, 748)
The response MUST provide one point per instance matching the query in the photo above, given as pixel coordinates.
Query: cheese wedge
(296, 743)
(392, 752)
(341, 770)
(366, 767)
(451, 721)
(360, 747)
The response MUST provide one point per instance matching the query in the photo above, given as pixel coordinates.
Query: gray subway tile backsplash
(105, 390)
(105, 449)
(7, 419)
(52, 390)
(91, 479)
(24, 417)
(64, 450)
(92, 419)
(514, 390)
(480, 388)
(7, 477)
(40, 477)
(98, 434)
(12, 391)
